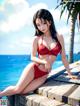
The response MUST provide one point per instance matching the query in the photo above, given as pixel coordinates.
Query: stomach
(49, 58)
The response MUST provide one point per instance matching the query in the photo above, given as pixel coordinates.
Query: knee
(18, 90)
(23, 92)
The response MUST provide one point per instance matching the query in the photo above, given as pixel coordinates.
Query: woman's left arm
(64, 59)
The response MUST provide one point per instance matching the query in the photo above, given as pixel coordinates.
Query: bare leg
(34, 84)
(26, 77)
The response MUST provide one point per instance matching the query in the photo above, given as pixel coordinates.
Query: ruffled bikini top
(43, 50)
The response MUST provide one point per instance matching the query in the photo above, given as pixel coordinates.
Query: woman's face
(42, 25)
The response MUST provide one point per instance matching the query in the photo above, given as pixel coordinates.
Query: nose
(42, 27)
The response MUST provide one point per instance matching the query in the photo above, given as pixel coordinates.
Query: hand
(47, 66)
(72, 76)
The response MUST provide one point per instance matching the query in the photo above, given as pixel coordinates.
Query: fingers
(73, 77)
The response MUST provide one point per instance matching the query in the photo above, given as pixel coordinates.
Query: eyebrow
(37, 24)
(42, 21)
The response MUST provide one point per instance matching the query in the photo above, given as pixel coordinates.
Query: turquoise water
(11, 67)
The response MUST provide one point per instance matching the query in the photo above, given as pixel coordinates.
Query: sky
(17, 30)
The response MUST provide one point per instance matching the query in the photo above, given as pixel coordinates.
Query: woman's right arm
(34, 52)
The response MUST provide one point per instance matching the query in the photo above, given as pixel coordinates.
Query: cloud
(22, 41)
(64, 30)
(21, 16)
(77, 38)
(56, 15)
(15, 2)
(17, 46)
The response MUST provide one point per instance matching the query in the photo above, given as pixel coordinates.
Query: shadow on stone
(17, 100)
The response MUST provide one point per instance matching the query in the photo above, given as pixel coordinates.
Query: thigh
(34, 84)
(26, 76)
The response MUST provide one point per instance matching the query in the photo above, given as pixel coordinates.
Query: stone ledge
(61, 91)
(35, 100)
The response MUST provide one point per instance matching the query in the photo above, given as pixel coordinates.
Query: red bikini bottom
(38, 72)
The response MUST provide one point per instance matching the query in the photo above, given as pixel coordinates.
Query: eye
(38, 25)
(44, 22)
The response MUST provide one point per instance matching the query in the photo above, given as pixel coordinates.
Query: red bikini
(43, 50)
(38, 72)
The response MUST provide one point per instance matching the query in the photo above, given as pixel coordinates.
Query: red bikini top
(43, 50)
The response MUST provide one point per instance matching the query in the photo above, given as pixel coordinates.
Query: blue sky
(16, 28)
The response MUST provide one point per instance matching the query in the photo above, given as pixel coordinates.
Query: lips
(43, 30)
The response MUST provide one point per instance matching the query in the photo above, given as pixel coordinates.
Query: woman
(48, 44)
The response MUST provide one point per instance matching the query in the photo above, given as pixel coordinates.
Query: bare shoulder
(35, 39)
(60, 37)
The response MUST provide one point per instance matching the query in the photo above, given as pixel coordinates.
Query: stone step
(38, 100)
(74, 98)
(61, 91)
(33, 99)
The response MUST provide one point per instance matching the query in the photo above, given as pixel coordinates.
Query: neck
(47, 34)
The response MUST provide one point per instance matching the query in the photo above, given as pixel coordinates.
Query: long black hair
(45, 15)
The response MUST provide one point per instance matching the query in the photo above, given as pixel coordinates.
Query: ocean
(11, 67)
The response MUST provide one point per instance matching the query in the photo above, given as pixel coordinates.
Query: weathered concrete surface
(35, 100)
(59, 91)
(74, 98)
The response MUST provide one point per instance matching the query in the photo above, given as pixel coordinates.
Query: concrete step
(38, 100)
(74, 98)
(33, 99)
(61, 91)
